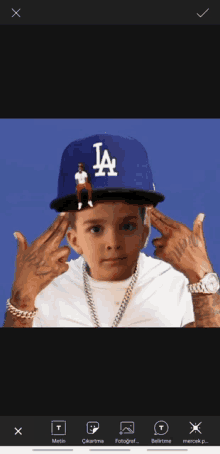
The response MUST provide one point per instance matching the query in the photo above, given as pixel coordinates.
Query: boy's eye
(98, 227)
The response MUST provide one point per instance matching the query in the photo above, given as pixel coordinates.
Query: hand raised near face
(41, 262)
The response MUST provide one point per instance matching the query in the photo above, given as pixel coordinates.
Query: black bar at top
(110, 12)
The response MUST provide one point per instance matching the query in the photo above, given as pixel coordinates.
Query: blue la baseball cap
(117, 169)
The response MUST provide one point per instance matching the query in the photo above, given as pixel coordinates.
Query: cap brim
(70, 202)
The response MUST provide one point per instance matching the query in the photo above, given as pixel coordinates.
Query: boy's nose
(113, 239)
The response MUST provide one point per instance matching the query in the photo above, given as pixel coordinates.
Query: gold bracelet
(18, 312)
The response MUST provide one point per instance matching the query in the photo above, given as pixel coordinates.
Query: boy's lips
(114, 259)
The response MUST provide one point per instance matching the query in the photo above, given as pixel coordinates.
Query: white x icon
(195, 427)
(18, 430)
(16, 12)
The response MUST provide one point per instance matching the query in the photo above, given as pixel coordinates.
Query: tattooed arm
(206, 310)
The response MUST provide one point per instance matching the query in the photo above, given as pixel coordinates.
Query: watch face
(212, 284)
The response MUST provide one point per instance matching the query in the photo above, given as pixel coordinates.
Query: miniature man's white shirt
(160, 298)
(81, 177)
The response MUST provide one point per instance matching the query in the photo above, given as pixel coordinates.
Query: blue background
(184, 156)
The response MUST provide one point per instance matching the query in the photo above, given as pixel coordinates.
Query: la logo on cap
(105, 162)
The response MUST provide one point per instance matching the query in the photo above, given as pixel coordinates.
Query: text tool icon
(58, 427)
(92, 427)
(195, 427)
(161, 428)
(126, 427)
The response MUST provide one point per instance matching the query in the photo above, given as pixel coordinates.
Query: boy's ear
(72, 239)
(144, 235)
(149, 207)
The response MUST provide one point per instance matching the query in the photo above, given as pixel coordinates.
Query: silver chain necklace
(124, 303)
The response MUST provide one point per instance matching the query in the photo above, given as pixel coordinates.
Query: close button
(16, 12)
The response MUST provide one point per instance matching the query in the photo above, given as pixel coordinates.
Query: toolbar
(139, 431)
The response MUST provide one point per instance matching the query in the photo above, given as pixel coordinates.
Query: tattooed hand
(183, 248)
(38, 264)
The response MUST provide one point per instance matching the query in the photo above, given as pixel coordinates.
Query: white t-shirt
(160, 298)
(81, 177)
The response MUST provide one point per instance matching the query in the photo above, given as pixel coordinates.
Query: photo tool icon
(126, 427)
(92, 427)
(58, 427)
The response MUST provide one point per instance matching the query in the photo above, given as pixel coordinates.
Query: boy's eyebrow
(102, 220)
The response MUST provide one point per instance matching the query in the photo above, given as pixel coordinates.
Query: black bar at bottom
(118, 431)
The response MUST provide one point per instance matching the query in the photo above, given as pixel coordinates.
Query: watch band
(197, 288)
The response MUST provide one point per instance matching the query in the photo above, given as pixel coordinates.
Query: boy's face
(104, 232)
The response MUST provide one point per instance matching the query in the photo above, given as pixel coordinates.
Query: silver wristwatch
(208, 284)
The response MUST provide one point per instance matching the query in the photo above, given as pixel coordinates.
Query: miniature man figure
(82, 182)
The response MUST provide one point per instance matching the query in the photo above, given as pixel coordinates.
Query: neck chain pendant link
(124, 303)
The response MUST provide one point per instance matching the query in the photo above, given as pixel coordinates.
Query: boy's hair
(73, 218)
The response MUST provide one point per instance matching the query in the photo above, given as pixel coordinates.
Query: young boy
(112, 283)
